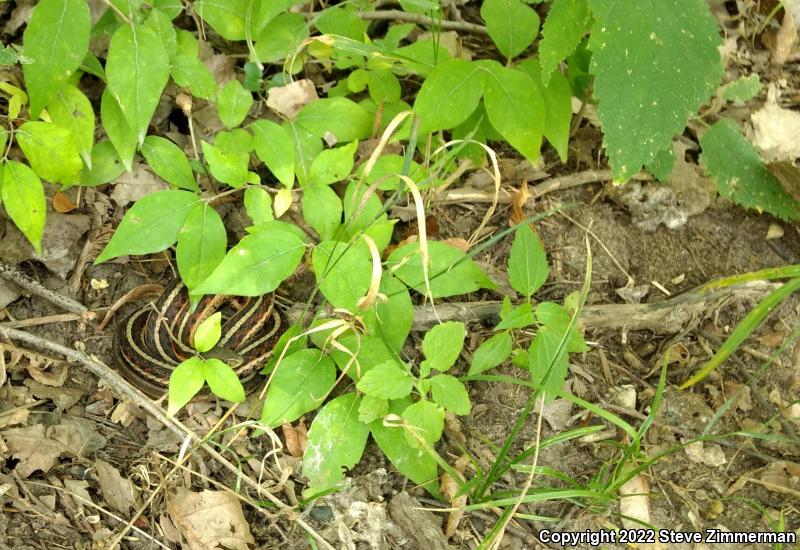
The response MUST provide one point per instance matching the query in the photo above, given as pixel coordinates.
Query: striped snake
(153, 340)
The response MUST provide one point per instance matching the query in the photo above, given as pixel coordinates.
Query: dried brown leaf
(210, 519)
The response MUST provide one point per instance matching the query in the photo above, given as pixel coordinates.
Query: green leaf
(542, 353)
(557, 104)
(408, 457)
(106, 166)
(520, 316)
(258, 264)
(71, 110)
(387, 380)
(23, 198)
(372, 408)
(426, 420)
(491, 353)
(332, 165)
(655, 65)
(208, 332)
(51, 151)
(150, 225)
(562, 31)
(511, 24)
(740, 174)
(555, 317)
(224, 16)
(275, 148)
(281, 38)
(384, 87)
(227, 167)
(237, 140)
(391, 320)
(448, 96)
(322, 210)
(527, 263)
(56, 41)
(223, 380)
(258, 205)
(343, 272)
(369, 351)
(119, 133)
(170, 162)
(233, 103)
(137, 69)
(172, 8)
(306, 148)
(662, 163)
(742, 89)
(451, 271)
(162, 26)
(185, 381)
(336, 440)
(201, 244)
(451, 394)
(341, 21)
(338, 117)
(300, 384)
(515, 107)
(188, 71)
(443, 343)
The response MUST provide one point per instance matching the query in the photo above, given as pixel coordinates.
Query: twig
(419, 19)
(124, 388)
(46, 320)
(15, 276)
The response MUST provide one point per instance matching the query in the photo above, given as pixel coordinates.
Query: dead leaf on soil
(33, 450)
(634, 503)
(288, 100)
(785, 39)
(296, 438)
(132, 186)
(210, 519)
(62, 203)
(781, 476)
(117, 491)
(450, 488)
(743, 402)
(775, 131)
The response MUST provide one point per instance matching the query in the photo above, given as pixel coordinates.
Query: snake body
(155, 339)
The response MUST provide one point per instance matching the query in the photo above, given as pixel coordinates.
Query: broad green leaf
(426, 420)
(511, 24)
(281, 38)
(172, 8)
(662, 163)
(740, 173)
(275, 148)
(655, 65)
(51, 151)
(322, 210)
(223, 380)
(56, 41)
(363, 212)
(150, 225)
(71, 110)
(384, 87)
(542, 353)
(233, 103)
(162, 26)
(742, 89)
(237, 140)
(258, 264)
(557, 103)
(202, 241)
(527, 263)
(343, 272)
(300, 384)
(451, 272)
(292, 341)
(227, 167)
(137, 69)
(555, 317)
(338, 117)
(491, 353)
(236, 19)
(342, 21)
(336, 440)
(451, 394)
(391, 319)
(258, 205)
(306, 148)
(170, 162)
(23, 198)
(562, 31)
(332, 165)
(117, 129)
(515, 107)
(448, 96)
(208, 332)
(520, 316)
(442, 344)
(369, 351)
(409, 458)
(387, 380)
(106, 166)
(372, 408)
(189, 72)
(185, 381)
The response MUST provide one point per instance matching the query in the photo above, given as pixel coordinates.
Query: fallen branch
(12, 274)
